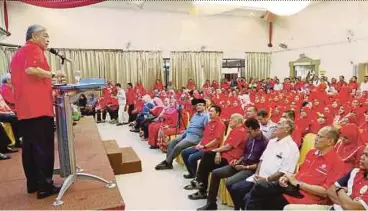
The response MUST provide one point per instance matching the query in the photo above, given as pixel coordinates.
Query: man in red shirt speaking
(32, 82)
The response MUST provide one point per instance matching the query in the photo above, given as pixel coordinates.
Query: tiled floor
(150, 189)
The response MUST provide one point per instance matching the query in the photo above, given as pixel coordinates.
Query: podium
(64, 129)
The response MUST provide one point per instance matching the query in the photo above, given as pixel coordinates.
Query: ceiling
(180, 7)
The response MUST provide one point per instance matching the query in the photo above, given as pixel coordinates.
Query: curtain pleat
(198, 66)
(257, 65)
(116, 66)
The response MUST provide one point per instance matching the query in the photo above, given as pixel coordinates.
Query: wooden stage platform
(83, 195)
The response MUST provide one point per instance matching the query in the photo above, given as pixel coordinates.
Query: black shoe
(188, 176)
(209, 206)
(32, 190)
(197, 195)
(52, 191)
(98, 122)
(119, 124)
(135, 130)
(11, 150)
(154, 147)
(164, 165)
(4, 157)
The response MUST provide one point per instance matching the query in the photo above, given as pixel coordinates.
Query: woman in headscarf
(343, 112)
(321, 121)
(158, 85)
(167, 119)
(139, 88)
(304, 120)
(351, 146)
(152, 115)
(148, 104)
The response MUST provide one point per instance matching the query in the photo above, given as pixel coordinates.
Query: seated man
(351, 191)
(267, 126)
(212, 138)
(230, 157)
(8, 116)
(280, 157)
(4, 143)
(321, 168)
(188, 138)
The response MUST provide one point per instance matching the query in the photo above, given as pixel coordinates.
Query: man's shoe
(209, 206)
(52, 191)
(197, 195)
(119, 124)
(11, 150)
(4, 156)
(188, 176)
(164, 165)
(154, 147)
(32, 190)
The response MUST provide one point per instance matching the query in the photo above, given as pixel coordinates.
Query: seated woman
(154, 113)
(351, 146)
(82, 103)
(148, 104)
(7, 92)
(322, 121)
(100, 109)
(8, 116)
(167, 119)
(91, 105)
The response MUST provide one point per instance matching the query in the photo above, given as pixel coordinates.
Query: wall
(320, 32)
(91, 27)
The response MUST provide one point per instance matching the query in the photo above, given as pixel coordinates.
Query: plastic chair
(308, 144)
(9, 131)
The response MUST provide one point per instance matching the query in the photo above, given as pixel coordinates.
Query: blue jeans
(190, 157)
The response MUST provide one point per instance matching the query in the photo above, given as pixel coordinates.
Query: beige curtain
(112, 65)
(6, 55)
(257, 65)
(140, 65)
(198, 66)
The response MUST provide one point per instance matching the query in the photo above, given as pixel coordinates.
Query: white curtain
(111, 65)
(257, 65)
(198, 66)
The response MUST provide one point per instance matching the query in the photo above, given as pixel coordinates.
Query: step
(114, 154)
(131, 162)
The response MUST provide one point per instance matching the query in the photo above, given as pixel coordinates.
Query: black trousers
(266, 196)
(113, 114)
(98, 114)
(13, 120)
(4, 140)
(38, 152)
(206, 166)
(131, 116)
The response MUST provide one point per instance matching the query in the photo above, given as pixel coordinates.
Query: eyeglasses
(320, 136)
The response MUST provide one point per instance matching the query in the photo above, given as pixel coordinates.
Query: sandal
(197, 195)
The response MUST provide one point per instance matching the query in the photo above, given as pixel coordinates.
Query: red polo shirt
(215, 129)
(237, 139)
(32, 94)
(322, 170)
(131, 96)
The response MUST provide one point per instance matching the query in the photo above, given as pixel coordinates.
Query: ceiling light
(286, 8)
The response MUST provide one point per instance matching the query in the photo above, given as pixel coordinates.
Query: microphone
(53, 51)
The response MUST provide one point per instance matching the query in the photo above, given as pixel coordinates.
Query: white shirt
(278, 87)
(364, 86)
(121, 97)
(267, 130)
(279, 156)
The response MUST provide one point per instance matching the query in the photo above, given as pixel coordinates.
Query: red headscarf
(351, 150)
